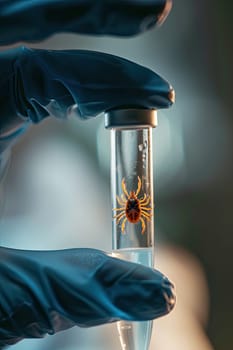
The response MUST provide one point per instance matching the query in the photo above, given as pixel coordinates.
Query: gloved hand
(44, 292)
(48, 291)
(37, 19)
(37, 83)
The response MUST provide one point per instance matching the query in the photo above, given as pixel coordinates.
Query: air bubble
(140, 147)
(145, 144)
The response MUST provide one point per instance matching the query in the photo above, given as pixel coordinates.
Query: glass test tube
(132, 202)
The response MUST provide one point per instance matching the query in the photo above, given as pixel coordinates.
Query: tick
(132, 208)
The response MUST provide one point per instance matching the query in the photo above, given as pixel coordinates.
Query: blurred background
(57, 166)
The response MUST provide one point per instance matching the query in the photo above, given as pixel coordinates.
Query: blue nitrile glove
(37, 83)
(24, 20)
(49, 291)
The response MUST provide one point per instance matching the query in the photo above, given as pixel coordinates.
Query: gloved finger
(37, 83)
(39, 19)
(49, 291)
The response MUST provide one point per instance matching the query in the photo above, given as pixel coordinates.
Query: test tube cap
(130, 118)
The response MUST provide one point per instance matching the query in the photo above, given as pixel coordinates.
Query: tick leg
(120, 218)
(146, 202)
(124, 200)
(118, 215)
(143, 225)
(143, 199)
(120, 200)
(144, 208)
(117, 209)
(123, 185)
(139, 186)
(123, 226)
(146, 216)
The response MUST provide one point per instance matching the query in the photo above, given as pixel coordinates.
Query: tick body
(132, 208)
